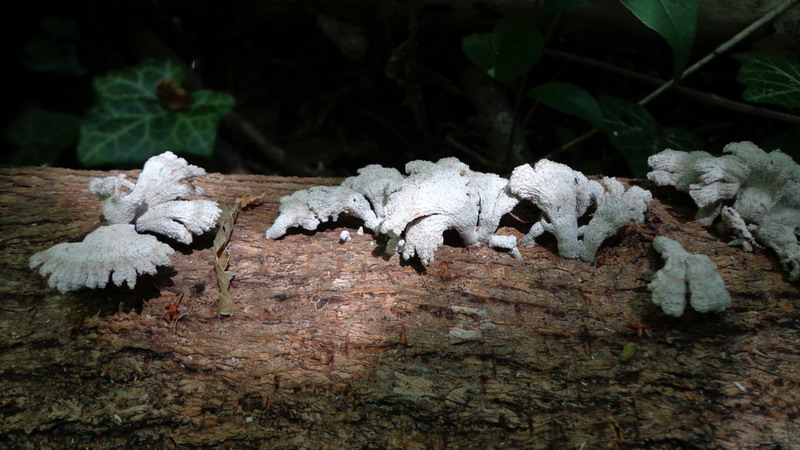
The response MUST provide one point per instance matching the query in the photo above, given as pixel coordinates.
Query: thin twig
(696, 66)
(705, 97)
(721, 49)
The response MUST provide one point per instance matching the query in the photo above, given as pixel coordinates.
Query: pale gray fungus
(564, 195)
(413, 210)
(154, 203)
(616, 208)
(115, 250)
(757, 193)
(682, 272)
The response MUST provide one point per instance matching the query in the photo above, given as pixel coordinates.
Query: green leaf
(510, 51)
(677, 139)
(569, 99)
(128, 124)
(53, 47)
(41, 136)
(519, 46)
(674, 20)
(479, 49)
(635, 134)
(769, 79)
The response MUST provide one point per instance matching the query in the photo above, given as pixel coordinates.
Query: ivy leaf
(636, 135)
(510, 51)
(128, 123)
(569, 99)
(769, 79)
(674, 20)
(41, 136)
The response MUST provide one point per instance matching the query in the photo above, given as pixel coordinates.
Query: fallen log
(332, 345)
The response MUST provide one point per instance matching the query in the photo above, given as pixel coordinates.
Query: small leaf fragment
(627, 352)
(226, 221)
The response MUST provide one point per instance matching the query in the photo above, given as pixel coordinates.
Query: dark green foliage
(40, 136)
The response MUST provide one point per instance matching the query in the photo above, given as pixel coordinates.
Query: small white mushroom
(116, 250)
(375, 183)
(733, 222)
(684, 271)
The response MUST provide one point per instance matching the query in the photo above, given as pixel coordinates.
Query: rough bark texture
(333, 346)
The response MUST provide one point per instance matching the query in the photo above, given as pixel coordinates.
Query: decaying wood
(331, 345)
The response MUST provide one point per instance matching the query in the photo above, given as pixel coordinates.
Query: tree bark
(331, 345)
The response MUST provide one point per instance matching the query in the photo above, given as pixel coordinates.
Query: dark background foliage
(330, 114)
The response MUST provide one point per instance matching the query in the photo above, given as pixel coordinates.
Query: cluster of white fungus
(415, 209)
(155, 203)
(564, 195)
(756, 193)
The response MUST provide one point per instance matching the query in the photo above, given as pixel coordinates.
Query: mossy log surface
(333, 346)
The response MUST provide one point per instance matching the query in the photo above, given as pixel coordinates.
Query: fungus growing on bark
(414, 210)
(154, 202)
(616, 208)
(562, 194)
(760, 190)
(151, 204)
(90, 262)
(684, 271)
(310, 207)
(446, 195)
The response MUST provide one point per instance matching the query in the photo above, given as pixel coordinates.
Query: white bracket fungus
(761, 193)
(414, 210)
(89, 263)
(616, 208)
(152, 204)
(564, 195)
(683, 270)
(308, 208)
